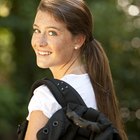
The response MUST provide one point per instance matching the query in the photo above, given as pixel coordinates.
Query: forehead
(44, 18)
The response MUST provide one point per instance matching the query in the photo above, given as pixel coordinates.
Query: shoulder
(78, 81)
(42, 91)
(81, 83)
(73, 78)
(44, 101)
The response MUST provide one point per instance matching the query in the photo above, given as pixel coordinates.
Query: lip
(43, 53)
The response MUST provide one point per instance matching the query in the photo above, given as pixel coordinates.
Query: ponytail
(97, 65)
(99, 72)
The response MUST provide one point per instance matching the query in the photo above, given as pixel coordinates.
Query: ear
(79, 41)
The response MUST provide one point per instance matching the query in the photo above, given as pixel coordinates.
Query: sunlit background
(116, 26)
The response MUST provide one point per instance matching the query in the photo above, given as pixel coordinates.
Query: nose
(43, 41)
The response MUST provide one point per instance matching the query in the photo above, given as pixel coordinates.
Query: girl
(63, 42)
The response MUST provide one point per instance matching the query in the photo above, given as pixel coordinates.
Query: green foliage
(114, 27)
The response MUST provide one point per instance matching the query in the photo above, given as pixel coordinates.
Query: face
(52, 42)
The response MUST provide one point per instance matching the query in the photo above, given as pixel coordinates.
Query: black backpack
(75, 121)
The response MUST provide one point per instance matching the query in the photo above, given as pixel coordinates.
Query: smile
(43, 53)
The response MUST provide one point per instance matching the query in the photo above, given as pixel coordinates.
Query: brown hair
(78, 19)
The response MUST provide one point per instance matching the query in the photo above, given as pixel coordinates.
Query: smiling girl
(64, 43)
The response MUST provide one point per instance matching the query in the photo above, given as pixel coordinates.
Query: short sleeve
(44, 101)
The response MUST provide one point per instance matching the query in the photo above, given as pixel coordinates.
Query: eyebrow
(34, 25)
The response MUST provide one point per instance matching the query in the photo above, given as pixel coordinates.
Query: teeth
(44, 53)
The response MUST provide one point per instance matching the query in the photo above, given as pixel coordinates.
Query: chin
(42, 66)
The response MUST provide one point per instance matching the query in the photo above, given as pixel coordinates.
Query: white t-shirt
(44, 101)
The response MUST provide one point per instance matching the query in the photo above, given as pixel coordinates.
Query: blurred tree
(116, 26)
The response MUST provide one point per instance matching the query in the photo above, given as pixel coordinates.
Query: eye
(36, 31)
(52, 33)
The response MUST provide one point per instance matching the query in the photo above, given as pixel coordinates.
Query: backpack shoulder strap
(62, 91)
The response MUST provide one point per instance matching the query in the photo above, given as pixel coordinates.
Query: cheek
(65, 44)
(65, 50)
(33, 40)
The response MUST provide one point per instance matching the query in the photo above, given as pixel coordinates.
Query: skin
(57, 49)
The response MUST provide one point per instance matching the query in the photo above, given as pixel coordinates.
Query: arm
(36, 122)
(42, 105)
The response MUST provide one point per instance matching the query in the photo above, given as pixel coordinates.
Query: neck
(73, 67)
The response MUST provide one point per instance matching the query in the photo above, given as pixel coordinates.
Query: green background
(116, 26)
